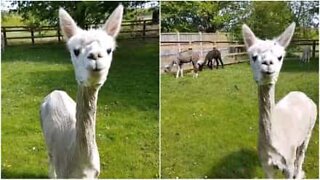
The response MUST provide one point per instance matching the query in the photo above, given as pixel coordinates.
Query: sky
(6, 5)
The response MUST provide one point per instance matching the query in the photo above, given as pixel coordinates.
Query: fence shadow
(8, 174)
(132, 80)
(293, 64)
(47, 52)
(240, 164)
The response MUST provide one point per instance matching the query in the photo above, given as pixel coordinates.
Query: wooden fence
(307, 42)
(231, 51)
(182, 36)
(130, 29)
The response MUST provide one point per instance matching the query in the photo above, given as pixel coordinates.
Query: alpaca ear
(285, 38)
(67, 24)
(113, 24)
(248, 36)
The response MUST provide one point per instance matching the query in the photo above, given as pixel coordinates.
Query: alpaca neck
(266, 105)
(86, 121)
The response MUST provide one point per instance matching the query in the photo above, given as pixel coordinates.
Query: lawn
(209, 125)
(127, 117)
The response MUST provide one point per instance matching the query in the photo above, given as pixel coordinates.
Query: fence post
(144, 29)
(200, 34)
(59, 34)
(178, 36)
(313, 48)
(5, 36)
(32, 35)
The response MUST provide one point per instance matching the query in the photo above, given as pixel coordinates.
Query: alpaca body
(301, 122)
(213, 54)
(69, 127)
(306, 54)
(66, 160)
(285, 128)
(283, 135)
(184, 57)
(187, 57)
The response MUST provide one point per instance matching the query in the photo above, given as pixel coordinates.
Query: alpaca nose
(94, 56)
(267, 62)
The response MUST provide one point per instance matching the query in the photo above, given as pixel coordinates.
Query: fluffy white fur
(69, 127)
(306, 54)
(284, 128)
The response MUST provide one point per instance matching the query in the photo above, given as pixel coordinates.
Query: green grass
(210, 124)
(127, 118)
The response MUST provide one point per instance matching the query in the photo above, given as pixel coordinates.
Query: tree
(155, 15)
(306, 15)
(84, 12)
(191, 16)
(203, 16)
(269, 19)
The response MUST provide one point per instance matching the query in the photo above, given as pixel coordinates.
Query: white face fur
(91, 51)
(266, 57)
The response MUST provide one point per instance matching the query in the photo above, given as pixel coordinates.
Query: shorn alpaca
(213, 54)
(69, 127)
(284, 128)
(306, 54)
(184, 57)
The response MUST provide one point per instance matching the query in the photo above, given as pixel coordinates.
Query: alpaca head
(91, 50)
(266, 56)
(200, 65)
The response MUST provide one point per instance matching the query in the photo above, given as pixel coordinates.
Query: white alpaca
(69, 127)
(306, 54)
(284, 128)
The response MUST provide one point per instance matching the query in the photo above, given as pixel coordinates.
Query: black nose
(267, 62)
(94, 56)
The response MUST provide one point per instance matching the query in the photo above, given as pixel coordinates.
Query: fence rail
(130, 29)
(230, 50)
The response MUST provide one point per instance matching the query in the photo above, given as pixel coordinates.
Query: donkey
(184, 57)
(213, 54)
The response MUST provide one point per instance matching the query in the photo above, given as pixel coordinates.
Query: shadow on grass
(116, 92)
(240, 164)
(132, 81)
(57, 52)
(8, 174)
(48, 52)
(293, 64)
(54, 80)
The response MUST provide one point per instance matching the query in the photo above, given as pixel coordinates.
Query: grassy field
(210, 124)
(127, 118)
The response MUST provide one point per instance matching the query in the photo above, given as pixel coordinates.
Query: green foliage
(267, 19)
(127, 114)
(191, 16)
(135, 13)
(210, 124)
(11, 19)
(306, 15)
(84, 12)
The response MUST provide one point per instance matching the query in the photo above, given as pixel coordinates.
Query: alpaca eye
(108, 51)
(76, 52)
(279, 58)
(254, 58)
